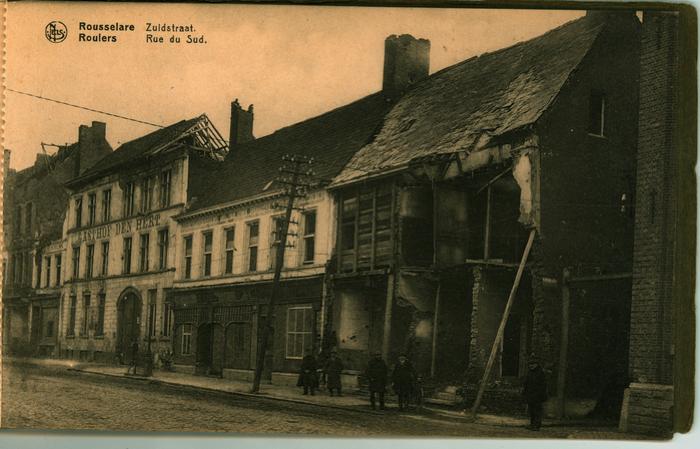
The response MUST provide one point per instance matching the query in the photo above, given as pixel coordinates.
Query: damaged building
(35, 202)
(229, 236)
(434, 215)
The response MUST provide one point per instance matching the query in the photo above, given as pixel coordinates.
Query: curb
(231, 393)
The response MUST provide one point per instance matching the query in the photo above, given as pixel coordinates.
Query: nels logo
(56, 32)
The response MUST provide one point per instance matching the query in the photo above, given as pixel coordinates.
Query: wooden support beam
(601, 277)
(388, 308)
(356, 260)
(563, 344)
(373, 255)
(339, 232)
(487, 225)
(435, 223)
(436, 315)
(502, 326)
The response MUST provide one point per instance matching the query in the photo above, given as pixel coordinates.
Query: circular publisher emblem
(56, 32)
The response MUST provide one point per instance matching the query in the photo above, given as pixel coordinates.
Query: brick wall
(651, 359)
(649, 399)
(647, 409)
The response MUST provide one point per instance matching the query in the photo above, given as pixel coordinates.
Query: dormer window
(596, 122)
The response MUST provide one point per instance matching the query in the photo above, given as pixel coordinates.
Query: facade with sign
(119, 237)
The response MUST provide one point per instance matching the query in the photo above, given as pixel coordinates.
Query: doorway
(128, 324)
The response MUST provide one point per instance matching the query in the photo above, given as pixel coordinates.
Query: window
(143, 253)
(90, 257)
(28, 221)
(596, 123)
(253, 235)
(86, 316)
(71, 316)
(19, 267)
(162, 249)
(28, 259)
(78, 212)
(230, 234)
(58, 270)
(106, 205)
(18, 219)
(309, 237)
(165, 180)
(275, 240)
(100, 325)
(126, 267)
(188, 256)
(48, 271)
(348, 223)
(186, 343)
(76, 261)
(167, 319)
(104, 270)
(152, 312)
(299, 330)
(38, 272)
(49, 329)
(128, 200)
(146, 194)
(92, 208)
(206, 259)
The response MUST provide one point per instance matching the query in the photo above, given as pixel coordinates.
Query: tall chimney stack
(241, 130)
(92, 143)
(406, 61)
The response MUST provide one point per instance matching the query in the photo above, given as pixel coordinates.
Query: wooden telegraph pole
(294, 175)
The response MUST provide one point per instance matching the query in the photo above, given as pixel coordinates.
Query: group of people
(403, 378)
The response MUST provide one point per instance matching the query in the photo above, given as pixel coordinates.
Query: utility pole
(294, 174)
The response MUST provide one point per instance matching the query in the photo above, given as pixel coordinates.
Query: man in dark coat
(403, 378)
(333, 369)
(377, 373)
(134, 357)
(307, 375)
(535, 392)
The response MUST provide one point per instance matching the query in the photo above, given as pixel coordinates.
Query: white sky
(291, 62)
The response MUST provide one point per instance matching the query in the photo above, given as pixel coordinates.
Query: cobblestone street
(55, 398)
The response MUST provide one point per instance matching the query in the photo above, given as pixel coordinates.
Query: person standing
(377, 373)
(333, 369)
(307, 377)
(535, 392)
(134, 357)
(403, 378)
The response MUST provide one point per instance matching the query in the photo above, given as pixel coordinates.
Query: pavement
(349, 402)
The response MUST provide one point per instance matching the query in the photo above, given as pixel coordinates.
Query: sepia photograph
(459, 221)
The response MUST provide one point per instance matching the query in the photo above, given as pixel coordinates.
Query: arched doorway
(128, 323)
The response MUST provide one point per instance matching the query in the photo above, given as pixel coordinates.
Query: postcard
(349, 221)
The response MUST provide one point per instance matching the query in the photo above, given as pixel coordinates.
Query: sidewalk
(351, 402)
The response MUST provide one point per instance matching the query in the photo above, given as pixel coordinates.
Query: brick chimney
(406, 61)
(241, 130)
(92, 146)
(6, 163)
